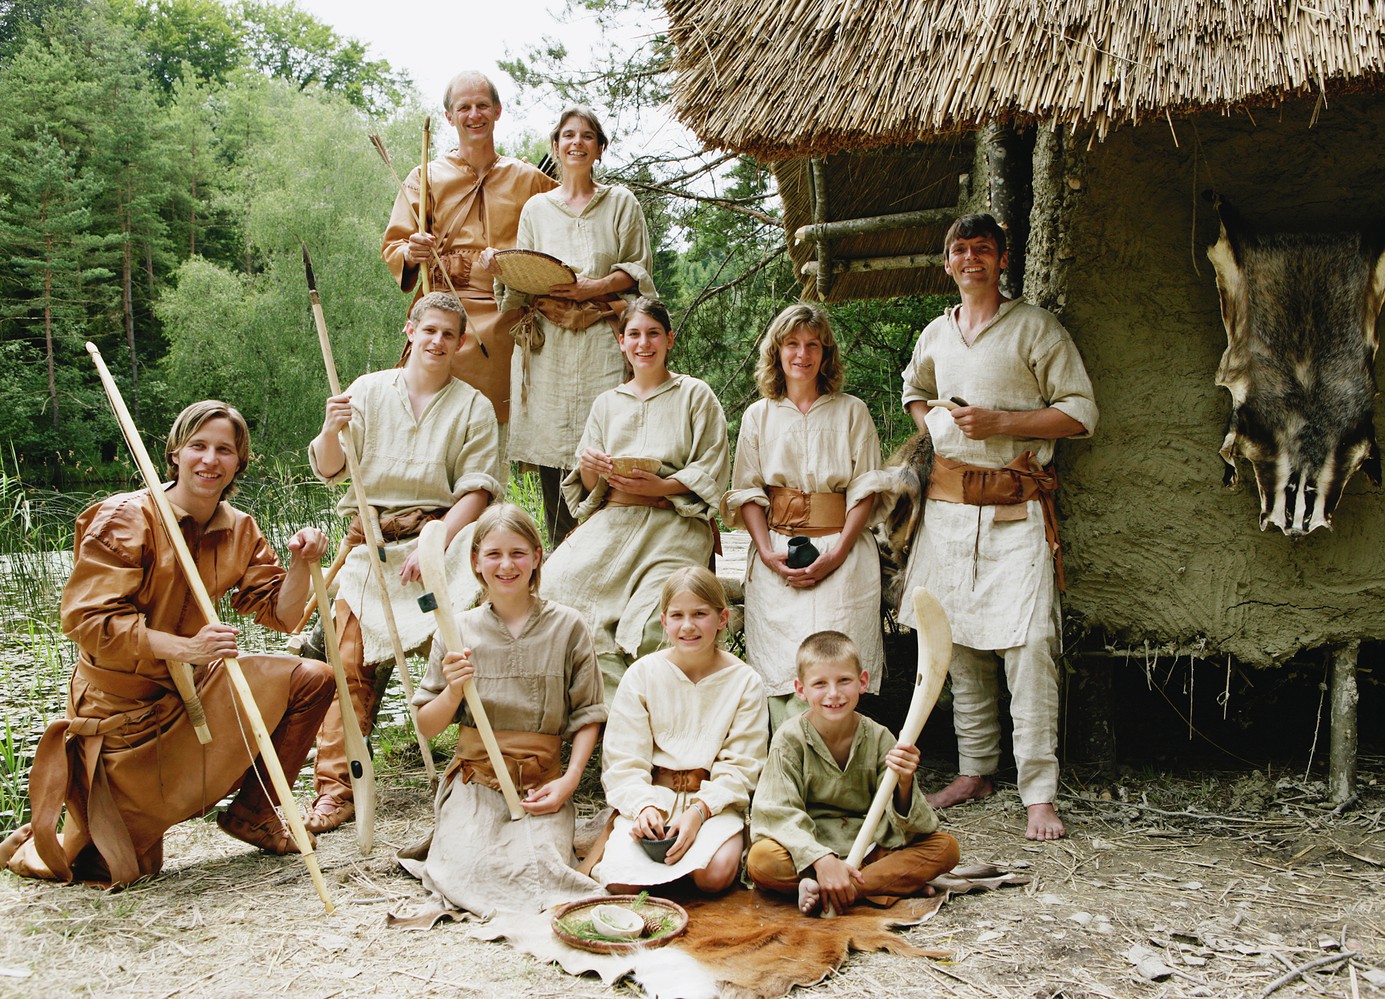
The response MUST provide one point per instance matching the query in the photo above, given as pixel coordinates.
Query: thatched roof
(784, 78)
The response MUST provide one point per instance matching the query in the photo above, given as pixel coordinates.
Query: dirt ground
(1227, 882)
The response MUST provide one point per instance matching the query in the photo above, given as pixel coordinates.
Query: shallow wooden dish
(626, 465)
(654, 910)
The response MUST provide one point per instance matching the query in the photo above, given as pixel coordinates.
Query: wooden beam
(911, 261)
(878, 223)
(823, 271)
(1341, 766)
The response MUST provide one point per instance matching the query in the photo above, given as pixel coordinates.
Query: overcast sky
(432, 40)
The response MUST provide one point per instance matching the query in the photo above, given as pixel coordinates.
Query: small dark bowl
(657, 849)
(802, 552)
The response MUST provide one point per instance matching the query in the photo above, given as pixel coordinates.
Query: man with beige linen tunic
(1016, 384)
(427, 448)
(475, 197)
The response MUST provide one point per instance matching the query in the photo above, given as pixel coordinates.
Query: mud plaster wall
(1157, 548)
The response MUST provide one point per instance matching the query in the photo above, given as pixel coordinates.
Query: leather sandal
(328, 812)
(266, 832)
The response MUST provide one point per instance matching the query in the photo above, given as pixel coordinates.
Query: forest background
(161, 159)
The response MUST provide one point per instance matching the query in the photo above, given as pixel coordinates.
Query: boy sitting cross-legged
(824, 767)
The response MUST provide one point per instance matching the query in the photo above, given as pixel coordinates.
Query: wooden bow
(432, 554)
(357, 749)
(934, 659)
(369, 527)
(169, 520)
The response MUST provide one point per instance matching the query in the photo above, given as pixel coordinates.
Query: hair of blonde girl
(505, 517)
(769, 370)
(697, 580)
(655, 310)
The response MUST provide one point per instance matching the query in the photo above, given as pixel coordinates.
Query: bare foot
(963, 788)
(25, 833)
(808, 896)
(1044, 823)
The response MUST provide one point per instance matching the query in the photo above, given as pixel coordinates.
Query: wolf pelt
(1300, 313)
(909, 469)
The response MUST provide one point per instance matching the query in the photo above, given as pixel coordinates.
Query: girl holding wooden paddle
(535, 670)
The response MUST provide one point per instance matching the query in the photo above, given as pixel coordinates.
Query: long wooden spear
(357, 750)
(368, 526)
(379, 145)
(288, 806)
(425, 277)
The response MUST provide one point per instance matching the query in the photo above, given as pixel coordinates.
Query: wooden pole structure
(432, 555)
(357, 749)
(1341, 759)
(425, 277)
(373, 540)
(282, 788)
(934, 660)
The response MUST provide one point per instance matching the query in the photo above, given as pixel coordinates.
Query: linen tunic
(467, 213)
(574, 366)
(126, 720)
(811, 806)
(660, 718)
(994, 579)
(544, 680)
(410, 464)
(612, 566)
(833, 448)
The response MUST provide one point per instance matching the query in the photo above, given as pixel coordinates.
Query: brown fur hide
(910, 467)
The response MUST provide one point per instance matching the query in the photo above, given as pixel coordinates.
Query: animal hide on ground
(909, 469)
(746, 944)
(1300, 313)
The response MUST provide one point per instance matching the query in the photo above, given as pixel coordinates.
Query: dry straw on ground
(1230, 883)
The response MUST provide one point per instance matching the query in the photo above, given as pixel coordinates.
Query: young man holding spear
(126, 762)
(474, 199)
(987, 545)
(427, 448)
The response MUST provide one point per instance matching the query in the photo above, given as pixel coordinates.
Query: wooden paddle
(432, 564)
(934, 658)
(282, 788)
(357, 749)
(369, 527)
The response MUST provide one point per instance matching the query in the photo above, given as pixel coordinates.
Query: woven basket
(532, 272)
(654, 910)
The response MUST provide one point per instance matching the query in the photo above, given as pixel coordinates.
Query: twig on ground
(1303, 969)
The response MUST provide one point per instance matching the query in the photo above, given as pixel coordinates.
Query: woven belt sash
(532, 759)
(576, 316)
(813, 515)
(681, 781)
(1018, 482)
(617, 497)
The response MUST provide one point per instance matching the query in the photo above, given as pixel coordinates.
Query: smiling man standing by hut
(474, 199)
(1006, 382)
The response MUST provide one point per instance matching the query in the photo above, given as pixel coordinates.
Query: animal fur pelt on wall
(1300, 313)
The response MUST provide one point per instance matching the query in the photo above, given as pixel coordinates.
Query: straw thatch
(785, 78)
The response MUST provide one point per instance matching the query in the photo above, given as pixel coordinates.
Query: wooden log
(823, 272)
(877, 223)
(1341, 760)
(910, 261)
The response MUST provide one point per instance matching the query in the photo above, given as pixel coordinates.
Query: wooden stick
(369, 528)
(343, 550)
(432, 554)
(357, 749)
(423, 196)
(192, 704)
(935, 656)
(379, 145)
(204, 603)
